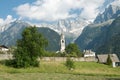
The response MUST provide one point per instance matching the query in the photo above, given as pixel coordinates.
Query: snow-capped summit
(116, 2)
(111, 12)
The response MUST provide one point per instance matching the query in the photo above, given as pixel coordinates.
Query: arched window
(62, 41)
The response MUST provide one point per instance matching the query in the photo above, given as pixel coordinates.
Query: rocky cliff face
(9, 36)
(93, 36)
(112, 12)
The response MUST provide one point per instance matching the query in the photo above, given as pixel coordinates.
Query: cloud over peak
(8, 19)
(49, 10)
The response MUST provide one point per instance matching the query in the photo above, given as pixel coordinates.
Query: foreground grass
(58, 71)
(52, 76)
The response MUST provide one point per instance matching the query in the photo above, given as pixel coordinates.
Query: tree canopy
(29, 48)
(73, 50)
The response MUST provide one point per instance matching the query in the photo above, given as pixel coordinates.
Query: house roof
(103, 58)
(3, 46)
(114, 58)
(87, 52)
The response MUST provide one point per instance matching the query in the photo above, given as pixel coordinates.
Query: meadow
(57, 71)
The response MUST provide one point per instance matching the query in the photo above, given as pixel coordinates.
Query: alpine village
(47, 45)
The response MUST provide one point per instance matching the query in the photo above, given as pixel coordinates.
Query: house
(102, 58)
(4, 48)
(89, 53)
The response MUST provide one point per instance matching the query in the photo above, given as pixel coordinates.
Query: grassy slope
(57, 71)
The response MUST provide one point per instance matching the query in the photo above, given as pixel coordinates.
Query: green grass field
(58, 71)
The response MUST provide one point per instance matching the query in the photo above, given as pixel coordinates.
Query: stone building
(89, 53)
(4, 48)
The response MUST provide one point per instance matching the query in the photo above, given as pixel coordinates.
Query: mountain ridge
(13, 33)
(99, 37)
(111, 12)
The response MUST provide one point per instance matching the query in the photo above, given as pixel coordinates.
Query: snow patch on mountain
(4, 27)
(116, 2)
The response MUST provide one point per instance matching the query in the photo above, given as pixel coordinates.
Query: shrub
(70, 63)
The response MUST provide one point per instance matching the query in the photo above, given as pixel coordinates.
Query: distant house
(102, 58)
(4, 48)
(89, 53)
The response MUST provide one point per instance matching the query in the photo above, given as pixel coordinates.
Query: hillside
(52, 37)
(112, 44)
(93, 34)
(102, 37)
(10, 35)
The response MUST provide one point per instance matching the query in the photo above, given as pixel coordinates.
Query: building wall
(10, 56)
(4, 49)
(65, 58)
(6, 56)
(89, 53)
(113, 64)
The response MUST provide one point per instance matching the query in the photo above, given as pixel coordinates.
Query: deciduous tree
(29, 48)
(73, 50)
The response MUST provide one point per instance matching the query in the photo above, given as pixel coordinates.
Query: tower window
(62, 41)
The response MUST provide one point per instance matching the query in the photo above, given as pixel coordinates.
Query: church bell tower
(62, 43)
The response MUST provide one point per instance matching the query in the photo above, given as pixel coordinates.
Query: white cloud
(49, 10)
(1, 21)
(90, 8)
(8, 19)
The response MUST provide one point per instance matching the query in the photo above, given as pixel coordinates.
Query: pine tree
(109, 61)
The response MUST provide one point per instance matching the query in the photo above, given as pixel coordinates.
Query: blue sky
(47, 10)
(6, 7)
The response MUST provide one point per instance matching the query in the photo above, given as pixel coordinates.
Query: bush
(70, 63)
(7, 62)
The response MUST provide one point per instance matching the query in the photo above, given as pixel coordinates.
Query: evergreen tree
(109, 61)
(29, 48)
